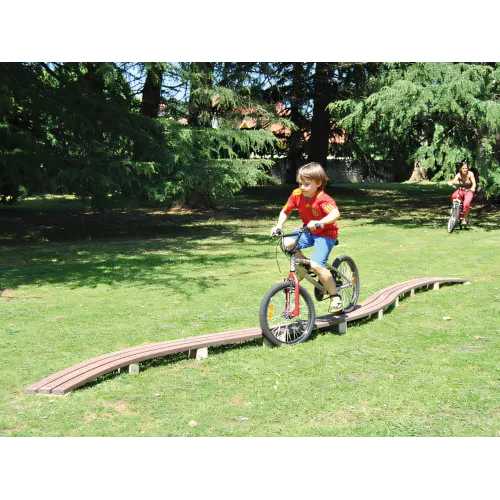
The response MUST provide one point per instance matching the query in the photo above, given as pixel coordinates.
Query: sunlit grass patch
(86, 290)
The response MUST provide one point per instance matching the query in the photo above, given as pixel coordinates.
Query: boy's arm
(330, 218)
(281, 220)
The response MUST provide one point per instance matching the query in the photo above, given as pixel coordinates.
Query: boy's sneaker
(336, 304)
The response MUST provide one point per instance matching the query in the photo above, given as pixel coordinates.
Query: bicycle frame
(460, 189)
(293, 274)
(293, 277)
(459, 200)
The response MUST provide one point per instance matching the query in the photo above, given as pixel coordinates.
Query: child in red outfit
(314, 206)
(464, 179)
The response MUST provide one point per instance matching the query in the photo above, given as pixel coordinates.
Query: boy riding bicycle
(315, 207)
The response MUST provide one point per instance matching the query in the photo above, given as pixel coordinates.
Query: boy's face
(309, 187)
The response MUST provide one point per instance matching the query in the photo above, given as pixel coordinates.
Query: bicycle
(287, 314)
(456, 212)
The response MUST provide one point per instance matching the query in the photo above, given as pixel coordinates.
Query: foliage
(171, 130)
(70, 129)
(435, 114)
(78, 128)
(212, 162)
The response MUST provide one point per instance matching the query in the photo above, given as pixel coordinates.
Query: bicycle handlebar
(279, 232)
(458, 187)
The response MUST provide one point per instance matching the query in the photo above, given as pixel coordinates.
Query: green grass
(77, 284)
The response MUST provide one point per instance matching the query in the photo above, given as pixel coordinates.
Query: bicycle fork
(292, 277)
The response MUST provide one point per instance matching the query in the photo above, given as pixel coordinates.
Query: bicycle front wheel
(275, 311)
(452, 222)
(347, 281)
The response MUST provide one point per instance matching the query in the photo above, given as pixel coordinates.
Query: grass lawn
(75, 284)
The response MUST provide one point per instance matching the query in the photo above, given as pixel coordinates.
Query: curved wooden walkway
(197, 347)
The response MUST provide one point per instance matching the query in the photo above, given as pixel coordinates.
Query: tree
(24, 148)
(215, 159)
(324, 90)
(151, 93)
(432, 114)
(69, 128)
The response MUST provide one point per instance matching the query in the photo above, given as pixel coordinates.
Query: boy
(314, 206)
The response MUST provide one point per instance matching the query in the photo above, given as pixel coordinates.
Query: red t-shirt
(313, 209)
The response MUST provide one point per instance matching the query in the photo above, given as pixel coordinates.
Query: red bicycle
(287, 313)
(456, 212)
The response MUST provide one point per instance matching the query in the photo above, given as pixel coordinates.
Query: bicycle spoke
(276, 310)
(346, 280)
(346, 290)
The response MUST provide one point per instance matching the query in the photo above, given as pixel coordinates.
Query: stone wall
(344, 171)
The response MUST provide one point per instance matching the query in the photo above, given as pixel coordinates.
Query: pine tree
(433, 114)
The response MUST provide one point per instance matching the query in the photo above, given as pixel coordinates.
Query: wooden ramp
(197, 347)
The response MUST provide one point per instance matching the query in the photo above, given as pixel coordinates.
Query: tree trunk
(295, 142)
(320, 124)
(200, 106)
(400, 169)
(294, 157)
(144, 145)
(199, 199)
(151, 93)
(419, 173)
(200, 115)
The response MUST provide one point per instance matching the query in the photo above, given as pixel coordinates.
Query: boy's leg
(305, 241)
(326, 278)
(319, 257)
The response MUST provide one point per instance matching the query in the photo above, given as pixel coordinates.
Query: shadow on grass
(171, 359)
(152, 264)
(143, 246)
(168, 360)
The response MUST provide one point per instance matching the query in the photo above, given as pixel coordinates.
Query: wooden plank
(66, 380)
(81, 377)
(381, 299)
(95, 367)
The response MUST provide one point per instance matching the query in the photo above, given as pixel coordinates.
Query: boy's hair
(312, 172)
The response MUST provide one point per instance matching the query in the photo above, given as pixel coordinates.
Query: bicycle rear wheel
(274, 315)
(452, 222)
(347, 282)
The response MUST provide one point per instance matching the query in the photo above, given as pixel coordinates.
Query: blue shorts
(322, 246)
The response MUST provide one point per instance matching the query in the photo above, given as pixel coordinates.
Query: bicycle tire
(275, 326)
(452, 221)
(347, 266)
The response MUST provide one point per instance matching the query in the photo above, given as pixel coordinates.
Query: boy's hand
(311, 225)
(275, 230)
